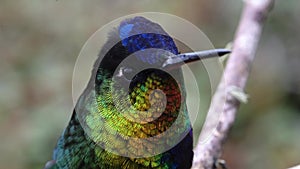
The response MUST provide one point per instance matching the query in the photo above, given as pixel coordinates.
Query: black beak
(181, 59)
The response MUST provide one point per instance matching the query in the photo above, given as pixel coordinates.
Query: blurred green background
(40, 41)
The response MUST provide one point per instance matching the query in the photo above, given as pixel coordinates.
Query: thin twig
(235, 76)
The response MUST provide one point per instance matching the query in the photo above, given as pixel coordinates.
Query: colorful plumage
(109, 122)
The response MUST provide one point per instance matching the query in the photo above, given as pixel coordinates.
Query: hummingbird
(132, 113)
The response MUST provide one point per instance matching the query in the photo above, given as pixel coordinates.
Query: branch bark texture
(235, 75)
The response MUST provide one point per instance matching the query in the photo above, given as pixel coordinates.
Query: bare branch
(235, 76)
(295, 167)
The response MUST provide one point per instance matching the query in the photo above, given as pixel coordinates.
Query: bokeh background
(40, 41)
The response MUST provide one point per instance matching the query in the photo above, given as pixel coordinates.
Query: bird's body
(111, 139)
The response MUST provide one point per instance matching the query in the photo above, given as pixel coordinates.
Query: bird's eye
(126, 72)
